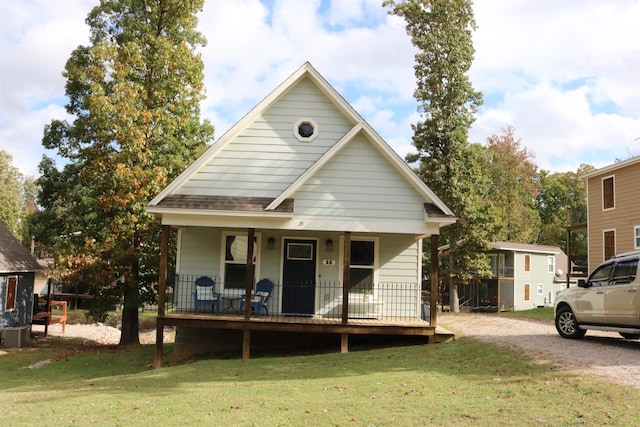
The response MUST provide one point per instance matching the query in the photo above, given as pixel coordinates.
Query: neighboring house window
(493, 261)
(636, 239)
(235, 260)
(527, 262)
(497, 262)
(362, 265)
(551, 261)
(527, 292)
(12, 287)
(609, 244)
(608, 193)
(540, 288)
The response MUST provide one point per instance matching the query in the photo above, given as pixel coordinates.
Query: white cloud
(564, 74)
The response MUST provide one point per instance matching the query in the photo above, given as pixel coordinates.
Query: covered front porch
(316, 307)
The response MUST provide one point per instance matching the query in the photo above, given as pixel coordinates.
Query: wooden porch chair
(205, 294)
(264, 289)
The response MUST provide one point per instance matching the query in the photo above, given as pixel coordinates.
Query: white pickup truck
(609, 300)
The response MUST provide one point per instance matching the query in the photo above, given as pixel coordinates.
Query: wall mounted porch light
(329, 245)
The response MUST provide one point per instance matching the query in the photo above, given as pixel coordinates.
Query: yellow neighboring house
(613, 210)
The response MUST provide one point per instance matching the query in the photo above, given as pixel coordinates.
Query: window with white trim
(636, 239)
(551, 261)
(609, 243)
(540, 288)
(234, 250)
(608, 193)
(12, 289)
(305, 130)
(363, 264)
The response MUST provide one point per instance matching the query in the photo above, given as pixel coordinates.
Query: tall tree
(442, 32)
(11, 188)
(563, 199)
(514, 187)
(135, 92)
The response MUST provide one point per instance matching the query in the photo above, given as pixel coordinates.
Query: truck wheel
(628, 336)
(566, 324)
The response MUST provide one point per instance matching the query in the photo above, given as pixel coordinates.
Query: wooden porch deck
(279, 323)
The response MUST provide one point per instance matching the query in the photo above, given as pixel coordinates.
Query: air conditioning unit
(15, 337)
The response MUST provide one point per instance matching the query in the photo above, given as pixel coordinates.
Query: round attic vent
(305, 130)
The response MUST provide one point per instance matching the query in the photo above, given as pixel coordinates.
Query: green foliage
(12, 192)
(98, 310)
(562, 200)
(442, 32)
(135, 95)
(514, 185)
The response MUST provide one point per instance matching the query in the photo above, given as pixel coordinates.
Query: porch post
(346, 277)
(249, 276)
(433, 302)
(162, 283)
(246, 332)
(499, 280)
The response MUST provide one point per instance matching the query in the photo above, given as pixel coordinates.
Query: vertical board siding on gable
(266, 157)
(359, 183)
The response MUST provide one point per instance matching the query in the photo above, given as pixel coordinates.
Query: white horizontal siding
(359, 182)
(266, 157)
(200, 251)
(399, 257)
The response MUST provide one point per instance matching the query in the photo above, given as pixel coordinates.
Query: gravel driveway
(604, 354)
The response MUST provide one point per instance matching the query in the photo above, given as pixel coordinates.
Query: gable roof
(165, 201)
(525, 247)
(14, 257)
(613, 167)
(517, 247)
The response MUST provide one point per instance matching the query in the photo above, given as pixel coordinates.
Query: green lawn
(545, 313)
(456, 383)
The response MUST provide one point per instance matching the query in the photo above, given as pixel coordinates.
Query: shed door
(299, 277)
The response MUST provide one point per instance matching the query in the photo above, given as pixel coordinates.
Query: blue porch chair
(205, 294)
(259, 298)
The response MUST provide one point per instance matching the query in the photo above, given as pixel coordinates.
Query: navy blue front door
(299, 277)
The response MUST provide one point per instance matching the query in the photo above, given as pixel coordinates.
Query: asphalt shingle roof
(13, 256)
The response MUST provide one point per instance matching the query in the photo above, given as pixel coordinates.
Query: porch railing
(319, 300)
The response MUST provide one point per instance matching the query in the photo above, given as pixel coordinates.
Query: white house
(336, 217)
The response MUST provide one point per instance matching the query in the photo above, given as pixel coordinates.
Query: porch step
(444, 335)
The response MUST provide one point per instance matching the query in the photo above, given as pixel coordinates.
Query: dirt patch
(98, 333)
(605, 354)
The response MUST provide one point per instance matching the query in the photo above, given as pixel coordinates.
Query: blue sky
(564, 74)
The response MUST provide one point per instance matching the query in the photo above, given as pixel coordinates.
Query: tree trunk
(454, 304)
(129, 335)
